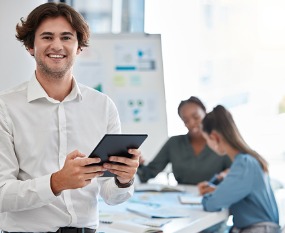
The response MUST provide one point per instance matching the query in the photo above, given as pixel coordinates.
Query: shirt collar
(36, 91)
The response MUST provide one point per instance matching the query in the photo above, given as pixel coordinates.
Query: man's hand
(75, 174)
(127, 170)
(141, 160)
(206, 187)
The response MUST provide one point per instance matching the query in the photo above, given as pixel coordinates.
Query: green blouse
(187, 167)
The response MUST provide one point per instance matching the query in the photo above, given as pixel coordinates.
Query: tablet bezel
(117, 145)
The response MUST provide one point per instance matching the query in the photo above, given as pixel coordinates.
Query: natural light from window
(230, 53)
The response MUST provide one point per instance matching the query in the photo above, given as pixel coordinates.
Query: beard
(53, 73)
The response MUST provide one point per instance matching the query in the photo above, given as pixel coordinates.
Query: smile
(56, 56)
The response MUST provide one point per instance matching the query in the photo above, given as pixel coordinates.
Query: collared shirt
(187, 167)
(246, 191)
(36, 134)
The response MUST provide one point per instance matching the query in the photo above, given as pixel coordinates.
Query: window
(230, 53)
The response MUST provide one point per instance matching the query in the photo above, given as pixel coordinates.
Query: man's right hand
(75, 174)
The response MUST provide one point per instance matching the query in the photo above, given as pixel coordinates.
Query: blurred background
(229, 52)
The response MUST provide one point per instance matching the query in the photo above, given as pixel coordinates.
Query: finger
(119, 159)
(91, 176)
(121, 167)
(203, 190)
(122, 174)
(110, 166)
(208, 190)
(85, 179)
(89, 161)
(202, 185)
(74, 154)
(135, 152)
(132, 162)
(94, 169)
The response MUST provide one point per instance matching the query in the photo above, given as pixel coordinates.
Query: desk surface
(196, 221)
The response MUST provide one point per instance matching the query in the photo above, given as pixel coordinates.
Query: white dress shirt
(36, 134)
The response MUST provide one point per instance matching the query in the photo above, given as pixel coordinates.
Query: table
(197, 220)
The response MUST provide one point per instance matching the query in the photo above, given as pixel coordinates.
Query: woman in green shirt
(191, 159)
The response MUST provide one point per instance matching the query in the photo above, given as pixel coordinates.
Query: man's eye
(66, 38)
(47, 37)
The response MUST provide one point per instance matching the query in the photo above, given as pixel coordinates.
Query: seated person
(191, 159)
(246, 189)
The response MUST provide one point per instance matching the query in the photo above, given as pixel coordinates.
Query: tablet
(117, 145)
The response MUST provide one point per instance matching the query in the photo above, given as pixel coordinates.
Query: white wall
(227, 52)
(15, 62)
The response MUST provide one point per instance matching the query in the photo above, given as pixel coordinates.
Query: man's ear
(79, 50)
(31, 51)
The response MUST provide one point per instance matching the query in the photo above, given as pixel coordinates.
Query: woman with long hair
(246, 189)
(191, 159)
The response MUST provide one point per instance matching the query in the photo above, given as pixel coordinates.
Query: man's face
(55, 47)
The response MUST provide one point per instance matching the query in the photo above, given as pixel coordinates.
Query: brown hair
(193, 100)
(221, 120)
(27, 28)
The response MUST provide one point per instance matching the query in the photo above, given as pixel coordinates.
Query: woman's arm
(146, 172)
(235, 187)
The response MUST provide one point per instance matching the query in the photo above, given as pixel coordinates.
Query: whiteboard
(129, 69)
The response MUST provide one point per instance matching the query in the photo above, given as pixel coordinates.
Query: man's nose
(56, 44)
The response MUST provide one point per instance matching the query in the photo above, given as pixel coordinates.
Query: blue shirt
(246, 191)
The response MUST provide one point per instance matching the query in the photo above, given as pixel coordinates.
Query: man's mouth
(56, 56)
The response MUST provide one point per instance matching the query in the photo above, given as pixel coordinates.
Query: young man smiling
(47, 125)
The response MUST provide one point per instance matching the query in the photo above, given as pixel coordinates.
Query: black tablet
(117, 145)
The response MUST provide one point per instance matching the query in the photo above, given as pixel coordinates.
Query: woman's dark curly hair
(193, 100)
(27, 28)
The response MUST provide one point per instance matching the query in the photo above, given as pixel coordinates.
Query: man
(47, 126)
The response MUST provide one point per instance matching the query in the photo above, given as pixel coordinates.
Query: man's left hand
(128, 167)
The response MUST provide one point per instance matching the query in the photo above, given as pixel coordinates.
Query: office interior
(229, 52)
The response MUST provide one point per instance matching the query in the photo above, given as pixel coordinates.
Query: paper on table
(152, 222)
(190, 199)
(158, 188)
(159, 212)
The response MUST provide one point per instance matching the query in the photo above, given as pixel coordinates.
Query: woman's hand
(206, 187)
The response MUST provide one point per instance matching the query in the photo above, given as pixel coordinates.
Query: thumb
(74, 154)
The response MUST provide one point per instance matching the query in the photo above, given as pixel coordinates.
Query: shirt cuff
(44, 190)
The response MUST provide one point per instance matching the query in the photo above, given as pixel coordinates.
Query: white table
(197, 221)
